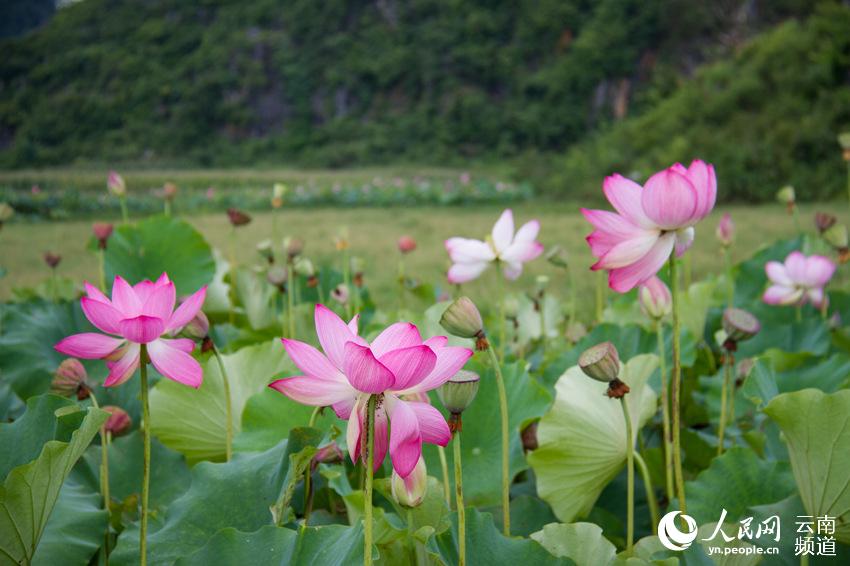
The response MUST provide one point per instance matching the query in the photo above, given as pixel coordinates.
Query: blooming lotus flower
(471, 257)
(396, 365)
(650, 221)
(798, 280)
(138, 314)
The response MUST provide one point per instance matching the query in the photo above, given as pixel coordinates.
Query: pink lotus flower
(471, 257)
(634, 242)
(655, 298)
(398, 363)
(725, 231)
(798, 280)
(139, 314)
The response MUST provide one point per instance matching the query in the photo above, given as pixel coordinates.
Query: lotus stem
(290, 300)
(724, 392)
(401, 276)
(503, 410)
(572, 280)
(686, 261)
(125, 217)
(650, 491)
(228, 405)
(542, 306)
(461, 510)
(500, 297)
(676, 385)
(146, 466)
(370, 463)
(346, 278)
(308, 476)
(665, 412)
(730, 281)
(630, 474)
(445, 466)
(101, 256)
(167, 208)
(104, 478)
(600, 296)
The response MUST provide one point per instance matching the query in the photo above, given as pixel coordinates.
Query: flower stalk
(727, 380)
(370, 463)
(104, 478)
(676, 385)
(665, 412)
(630, 471)
(461, 511)
(650, 491)
(444, 465)
(600, 295)
(290, 299)
(503, 411)
(228, 405)
(146, 470)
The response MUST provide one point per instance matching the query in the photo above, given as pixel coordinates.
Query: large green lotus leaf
(828, 375)
(750, 277)
(11, 406)
(432, 512)
(736, 481)
(170, 476)
(529, 513)
(581, 542)
(810, 337)
(694, 306)
(236, 494)
(76, 528)
(815, 426)
(582, 439)
(269, 416)
(218, 292)
(760, 385)
(630, 340)
(487, 546)
(529, 318)
(481, 440)
(30, 490)
(332, 545)
(257, 298)
(193, 421)
(160, 244)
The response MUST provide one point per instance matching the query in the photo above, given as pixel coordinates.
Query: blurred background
(417, 117)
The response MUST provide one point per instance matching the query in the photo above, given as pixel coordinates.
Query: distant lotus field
(187, 399)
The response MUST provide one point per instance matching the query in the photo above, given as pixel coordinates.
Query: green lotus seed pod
(601, 362)
(458, 393)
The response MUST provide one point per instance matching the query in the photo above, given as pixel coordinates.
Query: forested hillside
(614, 82)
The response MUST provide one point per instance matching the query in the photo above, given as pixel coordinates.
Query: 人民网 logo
(670, 535)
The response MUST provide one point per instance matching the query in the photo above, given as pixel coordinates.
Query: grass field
(373, 234)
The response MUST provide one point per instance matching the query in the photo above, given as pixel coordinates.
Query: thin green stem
(542, 306)
(146, 435)
(798, 315)
(290, 300)
(346, 278)
(665, 412)
(675, 387)
(228, 405)
(167, 207)
(724, 393)
(730, 281)
(600, 295)
(104, 478)
(401, 297)
(445, 467)
(461, 510)
(54, 283)
(687, 275)
(125, 217)
(650, 491)
(796, 216)
(308, 475)
(314, 416)
(370, 464)
(630, 474)
(101, 257)
(414, 545)
(500, 296)
(503, 410)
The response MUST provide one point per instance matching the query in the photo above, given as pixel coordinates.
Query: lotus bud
(277, 276)
(410, 491)
(52, 260)
(557, 256)
(457, 394)
(406, 244)
(328, 454)
(237, 217)
(70, 379)
(264, 248)
(463, 320)
(115, 184)
(844, 142)
(294, 247)
(655, 299)
(575, 332)
(739, 325)
(169, 191)
(340, 294)
(279, 191)
(102, 232)
(725, 230)
(601, 362)
(787, 197)
(119, 422)
(304, 267)
(824, 221)
(198, 328)
(6, 212)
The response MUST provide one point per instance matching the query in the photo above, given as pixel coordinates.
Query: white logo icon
(670, 535)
